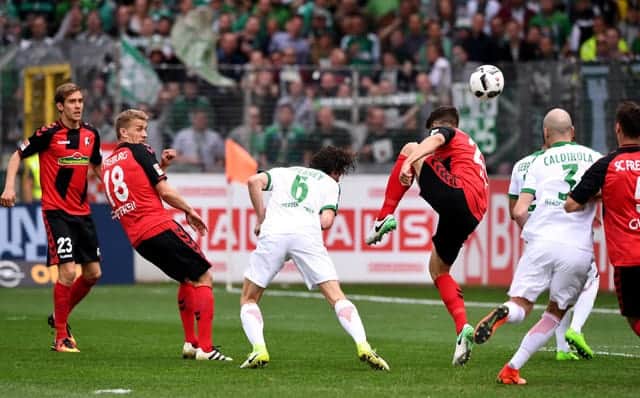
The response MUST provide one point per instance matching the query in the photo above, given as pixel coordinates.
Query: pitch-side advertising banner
(23, 248)
(489, 257)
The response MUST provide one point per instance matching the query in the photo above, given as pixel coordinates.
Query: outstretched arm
(173, 198)
(8, 198)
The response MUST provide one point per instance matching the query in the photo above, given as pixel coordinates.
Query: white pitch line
(405, 300)
(603, 353)
(118, 391)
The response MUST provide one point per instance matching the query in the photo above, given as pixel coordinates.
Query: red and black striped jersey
(617, 175)
(65, 154)
(462, 157)
(130, 175)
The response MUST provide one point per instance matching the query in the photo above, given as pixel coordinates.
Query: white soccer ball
(486, 82)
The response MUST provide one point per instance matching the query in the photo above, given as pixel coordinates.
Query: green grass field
(131, 338)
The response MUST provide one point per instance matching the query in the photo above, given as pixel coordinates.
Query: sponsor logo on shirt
(158, 170)
(627, 165)
(77, 159)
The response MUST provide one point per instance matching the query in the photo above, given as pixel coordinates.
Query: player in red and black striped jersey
(135, 186)
(66, 148)
(452, 177)
(617, 177)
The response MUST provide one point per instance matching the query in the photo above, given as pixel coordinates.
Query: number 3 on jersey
(120, 189)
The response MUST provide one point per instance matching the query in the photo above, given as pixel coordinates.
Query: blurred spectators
(362, 48)
(378, 139)
(517, 10)
(264, 95)
(303, 111)
(326, 133)
(230, 55)
(291, 38)
(553, 23)
(184, 104)
(198, 147)
(284, 141)
(38, 49)
(249, 134)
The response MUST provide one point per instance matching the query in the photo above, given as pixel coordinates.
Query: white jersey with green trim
(519, 172)
(299, 195)
(551, 176)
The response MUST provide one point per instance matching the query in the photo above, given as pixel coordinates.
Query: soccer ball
(486, 82)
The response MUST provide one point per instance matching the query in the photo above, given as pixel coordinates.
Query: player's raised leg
(581, 312)
(253, 325)
(395, 190)
(350, 321)
(512, 311)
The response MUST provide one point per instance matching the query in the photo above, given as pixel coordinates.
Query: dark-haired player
(452, 178)
(135, 186)
(303, 202)
(66, 149)
(617, 177)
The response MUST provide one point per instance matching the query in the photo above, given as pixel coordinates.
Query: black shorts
(70, 238)
(627, 280)
(456, 222)
(176, 254)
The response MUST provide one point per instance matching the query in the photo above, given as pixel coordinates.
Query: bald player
(550, 261)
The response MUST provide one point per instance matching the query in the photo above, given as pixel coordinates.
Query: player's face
(72, 107)
(135, 132)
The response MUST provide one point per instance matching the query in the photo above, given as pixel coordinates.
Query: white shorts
(561, 269)
(307, 252)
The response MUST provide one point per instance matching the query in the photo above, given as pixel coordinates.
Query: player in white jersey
(550, 260)
(304, 201)
(569, 332)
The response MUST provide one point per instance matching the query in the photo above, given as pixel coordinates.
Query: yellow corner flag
(239, 165)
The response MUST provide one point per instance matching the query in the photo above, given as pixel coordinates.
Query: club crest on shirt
(87, 141)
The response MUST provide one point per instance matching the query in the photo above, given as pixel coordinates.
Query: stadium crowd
(283, 55)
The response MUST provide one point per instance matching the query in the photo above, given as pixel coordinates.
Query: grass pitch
(131, 339)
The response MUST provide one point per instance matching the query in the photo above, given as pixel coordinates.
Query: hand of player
(8, 198)
(256, 229)
(196, 222)
(167, 157)
(406, 174)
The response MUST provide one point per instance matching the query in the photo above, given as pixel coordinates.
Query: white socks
(535, 339)
(252, 323)
(584, 305)
(516, 313)
(561, 343)
(350, 320)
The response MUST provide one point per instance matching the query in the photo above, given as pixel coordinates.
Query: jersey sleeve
(96, 155)
(332, 197)
(515, 183)
(37, 143)
(591, 181)
(144, 155)
(530, 179)
(273, 177)
(447, 133)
